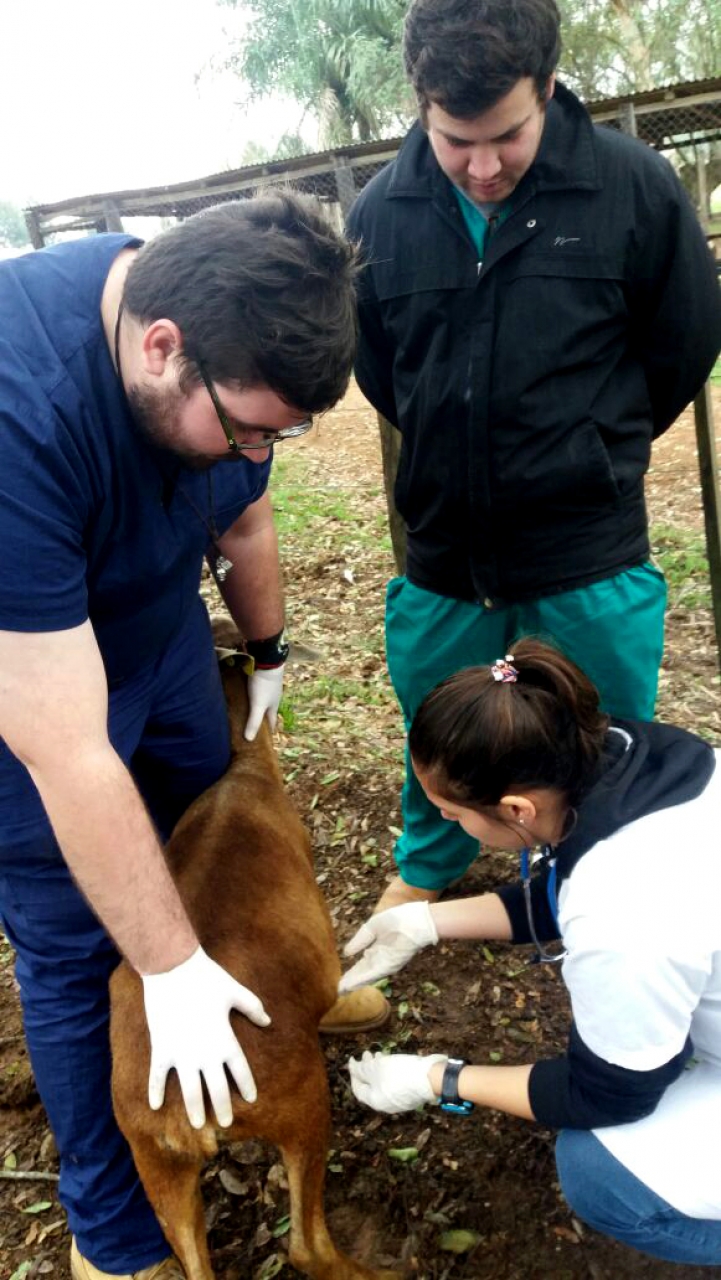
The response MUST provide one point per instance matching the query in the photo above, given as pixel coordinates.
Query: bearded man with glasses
(128, 373)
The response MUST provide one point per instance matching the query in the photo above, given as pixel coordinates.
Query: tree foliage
(287, 146)
(340, 59)
(613, 47)
(13, 231)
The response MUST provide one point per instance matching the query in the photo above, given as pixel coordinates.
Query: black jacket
(528, 388)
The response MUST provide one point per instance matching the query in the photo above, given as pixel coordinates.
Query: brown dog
(243, 864)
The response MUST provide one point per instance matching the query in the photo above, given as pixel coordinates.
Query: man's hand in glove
(188, 1010)
(265, 689)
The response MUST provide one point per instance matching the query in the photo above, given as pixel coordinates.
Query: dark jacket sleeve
(583, 1091)
(374, 361)
(513, 899)
(676, 301)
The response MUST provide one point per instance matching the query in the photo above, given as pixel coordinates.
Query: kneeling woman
(626, 819)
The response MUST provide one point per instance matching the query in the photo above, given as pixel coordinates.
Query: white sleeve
(638, 953)
(632, 1007)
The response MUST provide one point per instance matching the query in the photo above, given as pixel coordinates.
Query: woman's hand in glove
(188, 1010)
(388, 941)
(393, 1082)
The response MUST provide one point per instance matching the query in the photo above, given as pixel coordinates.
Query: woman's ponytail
(531, 720)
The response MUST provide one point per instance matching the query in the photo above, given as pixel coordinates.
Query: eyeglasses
(268, 435)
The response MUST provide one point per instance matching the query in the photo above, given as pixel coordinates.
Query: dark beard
(155, 414)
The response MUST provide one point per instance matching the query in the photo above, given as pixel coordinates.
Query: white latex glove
(187, 1010)
(265, 689)
(389, 940)
(393, 1082)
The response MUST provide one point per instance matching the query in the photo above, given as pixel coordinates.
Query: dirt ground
(490, 1176)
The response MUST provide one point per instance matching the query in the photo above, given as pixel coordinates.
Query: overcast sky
(98, 97)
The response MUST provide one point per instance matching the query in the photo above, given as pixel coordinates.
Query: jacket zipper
(492, 227)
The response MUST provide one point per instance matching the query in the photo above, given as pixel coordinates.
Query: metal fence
(684, 121)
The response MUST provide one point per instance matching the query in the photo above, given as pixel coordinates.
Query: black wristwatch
(450, 1101)
(268, 653)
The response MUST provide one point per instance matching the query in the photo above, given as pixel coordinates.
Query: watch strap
(268, 653)
(450, 1098)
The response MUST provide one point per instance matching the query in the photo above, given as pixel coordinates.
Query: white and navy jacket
(639, 912)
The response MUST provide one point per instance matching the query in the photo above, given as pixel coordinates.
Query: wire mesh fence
(682, 121)
(686, 127)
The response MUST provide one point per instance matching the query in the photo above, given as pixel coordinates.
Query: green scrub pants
(612, 629)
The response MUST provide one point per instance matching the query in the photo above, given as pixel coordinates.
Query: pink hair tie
(503, 671)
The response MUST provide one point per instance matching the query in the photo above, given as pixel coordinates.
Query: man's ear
(550, 88)
(162, 342)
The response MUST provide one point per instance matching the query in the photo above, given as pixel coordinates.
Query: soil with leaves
(438, 1197)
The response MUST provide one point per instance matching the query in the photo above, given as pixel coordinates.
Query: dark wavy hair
(467, 54)
(263, 292)
(479, 739)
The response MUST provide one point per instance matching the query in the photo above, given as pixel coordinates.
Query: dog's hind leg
(304, 1149)
(172, 1185)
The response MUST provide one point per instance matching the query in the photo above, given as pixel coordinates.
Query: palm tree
(340, 59)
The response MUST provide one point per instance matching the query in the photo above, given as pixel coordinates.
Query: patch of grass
(287, 714)
(371, 643)
(330, 692)
(305, 509)
(373, 535)
(682, 556)
(716, 373)
(299, 507)
(340, 721)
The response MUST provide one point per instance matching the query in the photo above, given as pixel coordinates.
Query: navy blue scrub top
(94, 521)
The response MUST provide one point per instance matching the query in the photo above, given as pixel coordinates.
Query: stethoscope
(546, 855)
(542, 956)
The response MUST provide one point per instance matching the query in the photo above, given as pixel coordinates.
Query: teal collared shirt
(476, 220)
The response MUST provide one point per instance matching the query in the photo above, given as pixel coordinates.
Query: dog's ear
(226, 637)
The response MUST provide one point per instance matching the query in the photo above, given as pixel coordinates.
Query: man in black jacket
(539, 304)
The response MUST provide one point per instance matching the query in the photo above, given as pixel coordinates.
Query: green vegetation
(336, 555)
(334, 691)
(682, 556)
(300, 511)
(326, 713)
(630, 45)
(304, 511)
(341, 59)
(13, 232)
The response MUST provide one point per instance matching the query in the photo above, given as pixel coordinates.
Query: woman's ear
(519, 810)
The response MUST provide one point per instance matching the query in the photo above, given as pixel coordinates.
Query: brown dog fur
(243, 865)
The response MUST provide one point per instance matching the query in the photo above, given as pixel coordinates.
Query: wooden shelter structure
(683, 120)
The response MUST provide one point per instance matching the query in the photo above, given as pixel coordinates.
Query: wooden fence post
(32, 222)
(390, 454)
(708, 471)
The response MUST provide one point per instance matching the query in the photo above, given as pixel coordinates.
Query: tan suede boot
(81, 1269)
(363, 1010)
(398, 892)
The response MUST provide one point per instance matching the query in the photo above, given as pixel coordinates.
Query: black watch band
(268, 653)
(450, 1100)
